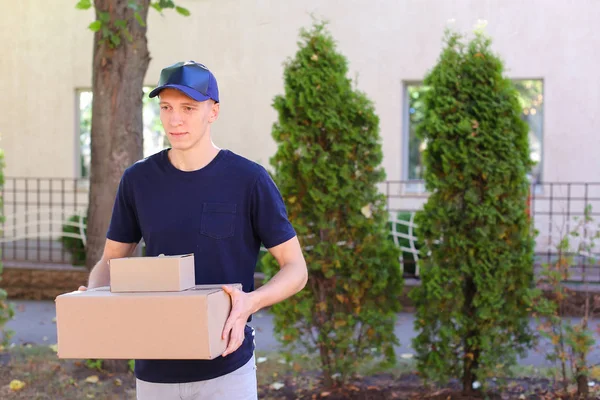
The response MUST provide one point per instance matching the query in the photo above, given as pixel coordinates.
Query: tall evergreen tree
(477, 270)
(327, 167)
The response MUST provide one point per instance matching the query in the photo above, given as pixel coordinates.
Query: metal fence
(36, 210)
(557, 210)
(39, 213)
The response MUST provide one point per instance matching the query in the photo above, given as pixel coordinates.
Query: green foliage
(327, 166)
(571, 340)
(530, 98)
(476, 262)
(259, 262)
(98, 364)
(7, 311)
(113, 31)
(94, 364)
(74, 245)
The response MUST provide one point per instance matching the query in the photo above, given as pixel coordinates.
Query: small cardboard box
(152, 274)
(99, 324)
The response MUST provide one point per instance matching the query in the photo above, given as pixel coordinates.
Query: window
(154, 137)
(531, 99)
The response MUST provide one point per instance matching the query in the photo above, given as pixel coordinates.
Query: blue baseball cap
(191, 78)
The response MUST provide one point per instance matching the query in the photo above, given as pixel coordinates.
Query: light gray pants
(237, 385)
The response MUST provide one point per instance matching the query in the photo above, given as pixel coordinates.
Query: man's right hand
(82, 288)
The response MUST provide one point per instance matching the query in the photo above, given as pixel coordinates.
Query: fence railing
(37, 212)
(556, 210)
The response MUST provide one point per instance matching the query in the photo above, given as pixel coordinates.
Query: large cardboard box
(99, 324)
(152, 274)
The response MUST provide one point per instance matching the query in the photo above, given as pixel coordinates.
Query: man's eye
(164, 108)
(188, 108)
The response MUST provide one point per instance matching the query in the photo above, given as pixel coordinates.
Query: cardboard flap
(174, 256)
(147, 257)
(216, 286)
(99, 289)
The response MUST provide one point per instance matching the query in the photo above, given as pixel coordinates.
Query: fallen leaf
(314, 57)
(92, 379)
(277, 385)
(54, 347)
(118, 382)
(325, 394)
(339, 323)
(1, 348)
(90, 396)
(16, 385)
(261, 360)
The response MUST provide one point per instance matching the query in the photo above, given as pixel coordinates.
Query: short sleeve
(124, 226)
(268, 212)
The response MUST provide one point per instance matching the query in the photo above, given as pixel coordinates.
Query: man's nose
(175, 119)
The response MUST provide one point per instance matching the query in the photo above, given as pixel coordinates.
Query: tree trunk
(116, 366)
(326, 362)
(471, 357)
(116, 132)
(583, 389)
(117, 126)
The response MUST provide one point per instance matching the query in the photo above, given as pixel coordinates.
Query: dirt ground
(36, 373)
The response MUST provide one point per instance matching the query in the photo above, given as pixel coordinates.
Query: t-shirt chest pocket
(218, 220)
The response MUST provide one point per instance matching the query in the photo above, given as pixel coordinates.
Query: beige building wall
(47, 52)
(46, 56)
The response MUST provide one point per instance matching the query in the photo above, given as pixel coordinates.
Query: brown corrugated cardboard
(152, 274)
(99, 324)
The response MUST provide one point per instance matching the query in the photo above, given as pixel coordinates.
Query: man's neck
(195, 158)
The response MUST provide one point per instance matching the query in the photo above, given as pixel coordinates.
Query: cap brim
(189, 92)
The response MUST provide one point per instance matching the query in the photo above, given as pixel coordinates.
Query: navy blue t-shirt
(221, 213)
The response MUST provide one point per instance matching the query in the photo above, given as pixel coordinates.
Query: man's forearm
(290, 279)
(100, 275)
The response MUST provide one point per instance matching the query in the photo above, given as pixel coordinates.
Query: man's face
(185, 120)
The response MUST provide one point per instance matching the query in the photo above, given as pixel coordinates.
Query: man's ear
(214, 112)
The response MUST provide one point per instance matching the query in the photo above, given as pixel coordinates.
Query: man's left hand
(241, 307)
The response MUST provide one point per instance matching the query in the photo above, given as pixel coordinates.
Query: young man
(195, 197)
